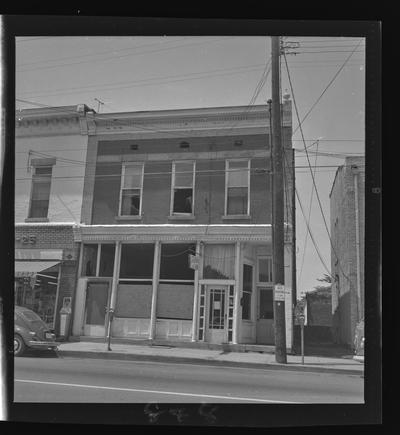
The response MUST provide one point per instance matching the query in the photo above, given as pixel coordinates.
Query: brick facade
(345, 253)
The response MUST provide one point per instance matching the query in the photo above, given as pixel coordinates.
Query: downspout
(359, 307)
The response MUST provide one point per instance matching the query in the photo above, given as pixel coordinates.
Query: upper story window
(40, 194)
(130, 203)
(237, 190)
(182, 192)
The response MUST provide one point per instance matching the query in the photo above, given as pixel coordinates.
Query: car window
(30, 315)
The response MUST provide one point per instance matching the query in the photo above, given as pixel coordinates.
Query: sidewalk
(168, 354)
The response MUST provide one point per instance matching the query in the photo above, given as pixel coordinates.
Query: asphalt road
(46, 379)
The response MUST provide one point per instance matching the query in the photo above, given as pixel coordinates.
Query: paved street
(46, 379)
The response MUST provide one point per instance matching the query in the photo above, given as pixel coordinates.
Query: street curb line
(190, 360)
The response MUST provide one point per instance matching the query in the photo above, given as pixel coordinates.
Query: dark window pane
(39, 208)
(264, 270)
(175, 261)
(246, 306)
(43, 170)
(266, 304)
(183, 200)
(107, 254)
(130, 202)
(89, 260)
(247, 278)
(137, 261)
(237, 200)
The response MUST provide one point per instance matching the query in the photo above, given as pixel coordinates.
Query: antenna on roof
(99, 103)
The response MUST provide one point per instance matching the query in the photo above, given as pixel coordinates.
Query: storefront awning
(24, 269)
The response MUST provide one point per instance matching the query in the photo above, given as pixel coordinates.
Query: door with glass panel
(217, 314)
(97, 299)
(265, 316)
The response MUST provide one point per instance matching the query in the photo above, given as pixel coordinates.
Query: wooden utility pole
(278, 207)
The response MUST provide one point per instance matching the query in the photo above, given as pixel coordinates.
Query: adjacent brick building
(176, 226)
(347, 199)
(50, 154)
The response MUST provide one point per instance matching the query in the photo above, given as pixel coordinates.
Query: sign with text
(279, 292)
(194, 261)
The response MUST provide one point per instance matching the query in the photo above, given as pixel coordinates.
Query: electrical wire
(326, 88)
(309, 164)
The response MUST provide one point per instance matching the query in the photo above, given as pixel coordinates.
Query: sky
(134, 73)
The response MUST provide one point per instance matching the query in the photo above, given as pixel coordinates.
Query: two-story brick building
(347, 203)
(50, 153)
(176, 230)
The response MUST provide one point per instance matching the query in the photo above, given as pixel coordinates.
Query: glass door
(265, 316)
(217, 314)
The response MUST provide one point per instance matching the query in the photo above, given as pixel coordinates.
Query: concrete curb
(112, 355)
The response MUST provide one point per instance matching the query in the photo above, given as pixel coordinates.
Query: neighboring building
(319, 308)
(347, 200)
(167, 187)
(50, 153)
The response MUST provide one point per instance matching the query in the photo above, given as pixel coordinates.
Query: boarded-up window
(137, 261)
(175, 301)
(174, 262)
(134, 300)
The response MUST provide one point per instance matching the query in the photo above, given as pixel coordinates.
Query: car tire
(19, 345)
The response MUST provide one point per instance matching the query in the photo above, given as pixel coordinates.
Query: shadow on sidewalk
(328, 350)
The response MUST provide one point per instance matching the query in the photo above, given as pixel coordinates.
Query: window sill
(236, 216)
(129, 218)
(37, 220)
(178, 217)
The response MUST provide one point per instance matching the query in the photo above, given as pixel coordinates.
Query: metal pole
(278, 202)
(302, 340)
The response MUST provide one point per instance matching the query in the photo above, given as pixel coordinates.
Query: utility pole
(278, 207)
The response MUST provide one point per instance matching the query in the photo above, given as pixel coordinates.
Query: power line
(326, 88)
(148, 82)
(309, 164)
(99, 53)
(309, 218)
(119, 57)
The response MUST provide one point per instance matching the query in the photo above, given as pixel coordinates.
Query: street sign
(279, 292)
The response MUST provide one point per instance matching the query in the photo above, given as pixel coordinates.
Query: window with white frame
(40, 194)
(237, 190)
(131, 190)
(264, 270)
(182, 192)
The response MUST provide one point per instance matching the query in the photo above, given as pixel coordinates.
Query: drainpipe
(359, 305)
(156, 274)
(196, 295)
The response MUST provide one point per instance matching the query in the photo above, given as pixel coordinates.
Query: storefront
(45, 269)
(214, 286)
(36, 287)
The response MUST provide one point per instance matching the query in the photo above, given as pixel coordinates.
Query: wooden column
(236, 319)
(114, 283)
(156, 274)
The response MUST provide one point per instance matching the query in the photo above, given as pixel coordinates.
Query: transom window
(264, 274)
(182, 192)
(237, 187)
(40, 195)
(131, 190)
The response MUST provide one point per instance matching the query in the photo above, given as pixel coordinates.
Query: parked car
(30, 332)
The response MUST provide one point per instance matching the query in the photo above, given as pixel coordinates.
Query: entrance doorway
(216, 331)
(265, 316)
(97, 299)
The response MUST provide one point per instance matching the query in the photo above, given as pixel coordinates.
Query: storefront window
(137, 261)
(174, 264)
(89, 261)
(107, 254)
(219, 262)
(247, 291)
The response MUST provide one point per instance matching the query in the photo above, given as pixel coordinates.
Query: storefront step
(224, 347)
